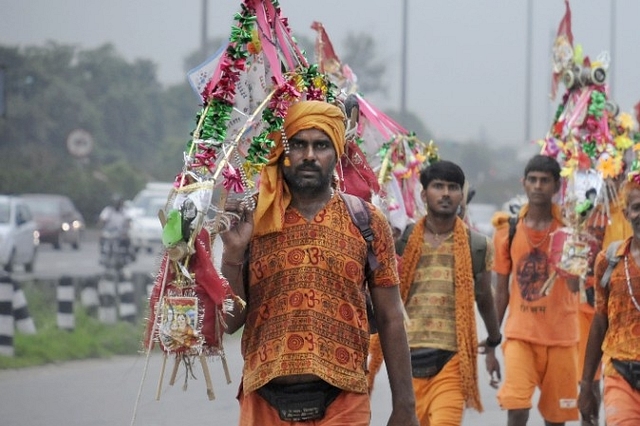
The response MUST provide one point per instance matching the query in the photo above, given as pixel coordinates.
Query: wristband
(493, 343)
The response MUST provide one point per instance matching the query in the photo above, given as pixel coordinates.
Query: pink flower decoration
(240, 64)
(205, 158)
(551, 147)
(314, 94)
(232, 179)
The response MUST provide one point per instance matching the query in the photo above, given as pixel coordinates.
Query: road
(113, 391)
(52, 264)
(105, 392)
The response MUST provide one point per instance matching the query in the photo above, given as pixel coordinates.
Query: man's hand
(588, 403)
(491, 363)
(573, 282)
(237, 238)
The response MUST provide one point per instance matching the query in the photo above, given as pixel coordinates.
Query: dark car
(58, 220)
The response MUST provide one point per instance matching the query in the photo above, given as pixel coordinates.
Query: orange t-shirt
(622, 340)
(533, 316)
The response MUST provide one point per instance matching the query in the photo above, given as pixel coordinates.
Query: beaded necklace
(539, 243)
(438, 237)
(626, 272)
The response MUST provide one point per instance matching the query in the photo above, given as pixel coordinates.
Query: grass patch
(90, 339)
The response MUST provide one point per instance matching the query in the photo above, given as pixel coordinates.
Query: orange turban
(273, 194)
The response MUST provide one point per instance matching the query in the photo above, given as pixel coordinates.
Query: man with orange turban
(299, 262)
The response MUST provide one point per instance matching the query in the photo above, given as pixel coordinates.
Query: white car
(140, 203)
(145, 230)
(19, 236)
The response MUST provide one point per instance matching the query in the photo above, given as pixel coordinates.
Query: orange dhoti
(550, 368)
(439, 399)
(621, 402)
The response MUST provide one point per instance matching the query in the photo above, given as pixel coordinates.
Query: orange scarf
(466, 336)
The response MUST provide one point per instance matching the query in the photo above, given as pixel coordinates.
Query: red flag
(637, 109)
(564, 31)
(326, 56)
(358, 178)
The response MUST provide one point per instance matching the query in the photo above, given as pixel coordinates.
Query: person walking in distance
(541, 328)
(445, 268)
(614, 337)
(299, 262)
(604, 225)
(115, 244)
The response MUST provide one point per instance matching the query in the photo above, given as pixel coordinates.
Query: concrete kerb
(14, 313)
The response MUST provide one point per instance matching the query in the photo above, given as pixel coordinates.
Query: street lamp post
(203, 30)
(612, 41)
(403, 70)
(527, 95)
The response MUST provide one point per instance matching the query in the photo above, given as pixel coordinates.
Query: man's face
(442, 198)
(632, 211)
(312, 161)
(540, 187)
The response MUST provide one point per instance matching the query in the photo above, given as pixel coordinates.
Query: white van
(150, 194)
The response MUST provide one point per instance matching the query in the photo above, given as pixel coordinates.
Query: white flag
(199, 76)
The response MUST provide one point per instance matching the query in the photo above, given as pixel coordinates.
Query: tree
(494, 179)
(360, 55)
(412, 123)
(54, 89)
(141, 129)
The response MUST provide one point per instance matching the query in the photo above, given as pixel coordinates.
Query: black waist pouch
(630, 370)
(427, 362)
(300, 402)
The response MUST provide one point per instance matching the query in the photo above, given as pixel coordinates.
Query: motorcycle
(116, 251)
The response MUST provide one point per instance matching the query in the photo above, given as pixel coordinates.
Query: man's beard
(312, 186)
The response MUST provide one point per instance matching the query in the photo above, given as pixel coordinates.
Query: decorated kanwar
(548, 248)
(307, 264)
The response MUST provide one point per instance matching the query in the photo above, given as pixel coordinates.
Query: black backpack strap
(478, 246)
(613, 261)
(361, 217)
(513, 223)
(401, 243)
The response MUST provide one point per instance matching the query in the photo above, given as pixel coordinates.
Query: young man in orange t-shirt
(541, 327)
(615, 330)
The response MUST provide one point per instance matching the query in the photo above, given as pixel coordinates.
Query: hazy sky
(466, 57)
